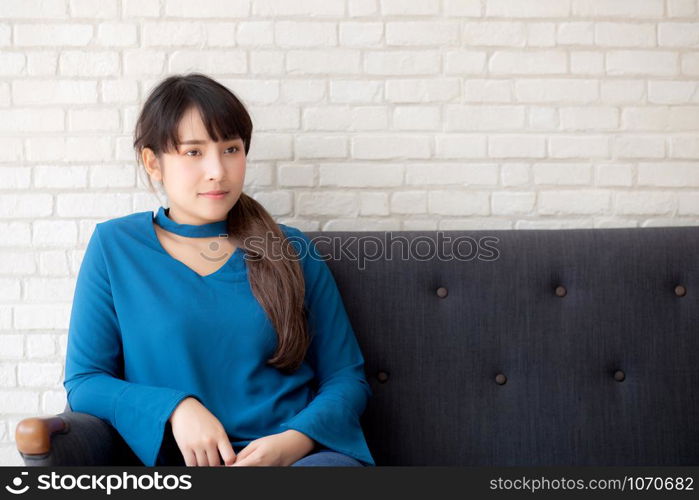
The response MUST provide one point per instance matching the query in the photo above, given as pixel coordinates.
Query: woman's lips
(215, 195)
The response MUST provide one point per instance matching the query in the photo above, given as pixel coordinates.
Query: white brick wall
(368, 114)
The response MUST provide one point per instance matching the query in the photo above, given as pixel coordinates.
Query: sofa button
(619, 375)
(560, 290)
(382, 376)
(680, 291)
(442, 292)
(500, 379)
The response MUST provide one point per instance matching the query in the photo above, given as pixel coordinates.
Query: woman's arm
(332, 417)
(94, 364)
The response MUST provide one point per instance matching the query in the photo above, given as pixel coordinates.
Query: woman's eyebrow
(199, 141)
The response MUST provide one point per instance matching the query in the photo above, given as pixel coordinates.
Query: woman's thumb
(245, 452)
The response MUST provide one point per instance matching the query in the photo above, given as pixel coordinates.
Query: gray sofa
(547, 347)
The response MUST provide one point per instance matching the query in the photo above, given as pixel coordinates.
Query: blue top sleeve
(94, 364)
(332, 418)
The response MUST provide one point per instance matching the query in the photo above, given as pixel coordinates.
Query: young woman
(209, 319)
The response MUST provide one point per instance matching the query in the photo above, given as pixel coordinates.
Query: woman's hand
(200, 435)
(280, 449)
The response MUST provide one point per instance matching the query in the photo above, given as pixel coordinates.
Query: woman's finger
(190, 459)
(227, 452)
(201, 457)
(212, 454)
(243, 461)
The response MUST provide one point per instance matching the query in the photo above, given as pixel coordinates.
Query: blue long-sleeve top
(147, 331)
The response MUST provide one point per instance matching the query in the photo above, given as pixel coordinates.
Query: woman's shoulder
(308, 252)
(295, 235)
(290, 230)
(129, 223)
(123, 232)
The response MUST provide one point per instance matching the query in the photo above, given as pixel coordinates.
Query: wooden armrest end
(33, 435)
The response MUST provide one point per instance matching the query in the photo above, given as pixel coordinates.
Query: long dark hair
(277, 283)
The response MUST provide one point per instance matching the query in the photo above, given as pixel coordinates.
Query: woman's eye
(196, 150)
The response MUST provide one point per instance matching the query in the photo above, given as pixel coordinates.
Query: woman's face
(199, 165)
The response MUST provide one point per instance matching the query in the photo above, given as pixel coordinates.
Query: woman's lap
(329, 458)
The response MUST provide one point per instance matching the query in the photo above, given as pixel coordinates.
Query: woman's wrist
(305, 444)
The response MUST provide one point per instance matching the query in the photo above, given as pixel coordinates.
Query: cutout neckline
(153, 231)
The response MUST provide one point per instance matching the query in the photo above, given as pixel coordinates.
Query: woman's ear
(152, 165)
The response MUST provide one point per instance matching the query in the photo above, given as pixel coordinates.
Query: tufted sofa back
(526, 347)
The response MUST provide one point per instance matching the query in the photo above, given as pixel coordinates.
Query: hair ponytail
(277, 283)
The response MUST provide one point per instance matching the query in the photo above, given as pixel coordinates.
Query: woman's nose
(214, 168)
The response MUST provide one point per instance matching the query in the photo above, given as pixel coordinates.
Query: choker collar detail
(217, 228)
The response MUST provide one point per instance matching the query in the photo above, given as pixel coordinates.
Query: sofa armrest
(71, 439)
(33, 435)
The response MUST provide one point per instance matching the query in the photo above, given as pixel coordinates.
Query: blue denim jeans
(328, 458)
